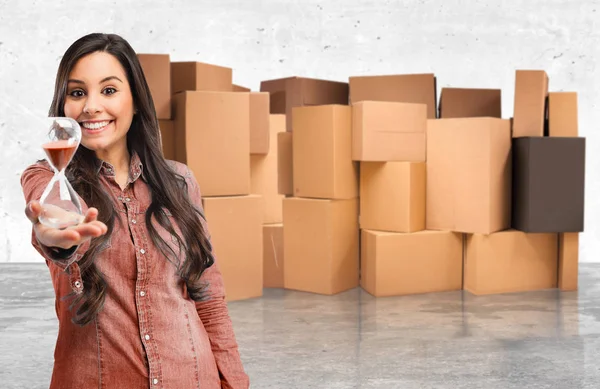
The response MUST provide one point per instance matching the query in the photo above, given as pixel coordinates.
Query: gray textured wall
(466, 43)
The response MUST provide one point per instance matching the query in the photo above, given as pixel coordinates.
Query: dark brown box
(290, 92)
(470, 102)
(403, 88)
(548, 184)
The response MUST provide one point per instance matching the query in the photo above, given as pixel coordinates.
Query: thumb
(33, 210)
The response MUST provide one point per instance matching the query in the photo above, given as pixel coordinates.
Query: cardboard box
(259, 123)
(288, 93)
(510, 261)
(568, 261)
(167, 138)
(531, 94)
(274, 263)
(199, 76)
(392, 196)
(157, 70)
(394, 264)
(239, 88)
(285, 171)
(548, 184)
(236, 228)
(403, 88)
(388, 131)
(322, 153)
(468, 175)
(264, 175)
(320, 244)
(563, 117)
(470, 102)
(212, 136)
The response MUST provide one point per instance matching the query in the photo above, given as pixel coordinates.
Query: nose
(92, 106)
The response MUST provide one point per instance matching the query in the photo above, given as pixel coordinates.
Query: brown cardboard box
(392, 196)
(388, 131)
(235, 225)
(157, 70)
(548, 188)
(320, 244)
(239, 88)
(531, 93)
(468, 175)
(403, 88)
(322, 153)
(420, 262)
(510, 261)
(285, 172)
(563, 114)
(212, 136)
(568, 261)
(273, 255)
(264, 176)
(259, 123)
(470, 102)
(199, 76)
(167, 137)
(288, 93)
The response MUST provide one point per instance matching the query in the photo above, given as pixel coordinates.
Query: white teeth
(95, 126)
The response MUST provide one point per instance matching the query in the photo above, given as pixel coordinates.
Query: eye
(109, 90)
(76, 93)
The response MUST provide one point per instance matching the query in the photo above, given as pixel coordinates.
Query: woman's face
(100, 99)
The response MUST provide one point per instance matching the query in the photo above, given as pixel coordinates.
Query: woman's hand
(89, 228)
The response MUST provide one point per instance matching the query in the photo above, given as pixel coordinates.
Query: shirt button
(127, 199)
(142, 293)
(147, 337)
(155, 381)
(134, 221)
(143, 251)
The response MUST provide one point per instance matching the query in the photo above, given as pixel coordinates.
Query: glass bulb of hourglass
(61, 207)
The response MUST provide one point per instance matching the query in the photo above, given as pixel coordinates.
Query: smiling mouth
(95, 126)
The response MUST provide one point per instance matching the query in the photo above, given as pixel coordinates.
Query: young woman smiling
(139, 295)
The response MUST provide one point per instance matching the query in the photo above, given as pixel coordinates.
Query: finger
(92, 229)
(33, 210)
(89, 230)
(90, 215)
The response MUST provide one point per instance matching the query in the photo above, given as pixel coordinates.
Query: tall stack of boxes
(321, 186)
(212, 135)
(320, 213)
(398, 255)
(549, 169)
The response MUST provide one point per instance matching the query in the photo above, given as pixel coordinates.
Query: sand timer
(60, 204)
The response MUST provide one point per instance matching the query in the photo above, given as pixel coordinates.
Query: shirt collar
(136, 168)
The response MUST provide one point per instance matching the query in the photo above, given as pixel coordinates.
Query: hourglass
(60, 204)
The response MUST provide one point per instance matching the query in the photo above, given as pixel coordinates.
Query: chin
(94, 146)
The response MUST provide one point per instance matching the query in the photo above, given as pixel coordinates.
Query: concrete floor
(291, 339)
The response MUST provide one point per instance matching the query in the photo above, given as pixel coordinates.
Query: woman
(140, 299)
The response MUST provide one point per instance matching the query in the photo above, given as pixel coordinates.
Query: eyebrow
(101, 81)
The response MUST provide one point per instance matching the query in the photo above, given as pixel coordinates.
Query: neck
(119, 158)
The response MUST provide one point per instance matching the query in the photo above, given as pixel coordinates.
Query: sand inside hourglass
(60, 153)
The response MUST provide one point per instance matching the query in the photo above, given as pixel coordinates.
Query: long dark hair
(168, 189)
